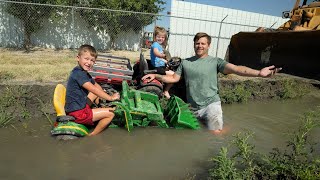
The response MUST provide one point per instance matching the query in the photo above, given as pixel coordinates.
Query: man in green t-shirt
(200, 73)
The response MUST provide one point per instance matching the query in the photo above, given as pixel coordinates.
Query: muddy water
(28, 152)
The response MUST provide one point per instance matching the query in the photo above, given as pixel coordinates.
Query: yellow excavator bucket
(59, 99)
(294, 46)
(297, 52)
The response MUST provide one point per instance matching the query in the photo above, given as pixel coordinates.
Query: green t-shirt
(201, 78)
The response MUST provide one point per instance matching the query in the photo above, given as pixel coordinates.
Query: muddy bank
(29, 100)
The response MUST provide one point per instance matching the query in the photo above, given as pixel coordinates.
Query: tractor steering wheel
(174, 62)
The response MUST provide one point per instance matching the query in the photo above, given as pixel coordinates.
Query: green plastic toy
(135, 109)
(141, 109)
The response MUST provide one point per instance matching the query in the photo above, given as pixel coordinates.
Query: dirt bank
(29, 99)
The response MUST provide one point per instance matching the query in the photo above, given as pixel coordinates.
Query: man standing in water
(200, 73)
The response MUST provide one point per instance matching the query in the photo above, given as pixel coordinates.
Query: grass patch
(43, 65)
(44, 110)
(240, 91)
(292, 89)
(13, 103)
(5, 76)
(40, 65)
(5, 117)
(297, 161)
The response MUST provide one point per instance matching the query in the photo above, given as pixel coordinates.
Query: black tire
(109, 89)
(152, 89)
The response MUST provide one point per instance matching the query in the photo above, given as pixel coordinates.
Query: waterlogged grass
(13, 102)
(297, 161)
(242, 91)
(238, 94)
(44, 109)
(5, 117)
(292, 89)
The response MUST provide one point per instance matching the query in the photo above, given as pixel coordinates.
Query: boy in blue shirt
(82, 86)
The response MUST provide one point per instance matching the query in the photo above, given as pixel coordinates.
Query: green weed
(242, 91)
(5, 117)
(292, 89)
(224, 166)
(13, 101)
(4, 76)
(43, 109)
(239, 93)
(297, 161)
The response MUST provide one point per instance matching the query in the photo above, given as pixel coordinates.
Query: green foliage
(292, 89)
(224, 166)
(33, 17)
(5, 117)
(297, 161)
(114, 22)
(12, 100)
(242, 91)
(245, 151)
(4, 76)
(43, 109)
(239, 93)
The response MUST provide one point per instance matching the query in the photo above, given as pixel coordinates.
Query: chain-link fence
(52, 26)
(68, 27)
(220, 23)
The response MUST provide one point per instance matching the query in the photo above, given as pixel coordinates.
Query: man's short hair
(88, 48)
(201, 35)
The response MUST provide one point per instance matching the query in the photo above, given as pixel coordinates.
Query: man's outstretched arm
(246, 71)
(163, 78)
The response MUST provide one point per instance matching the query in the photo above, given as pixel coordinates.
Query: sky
(268, 7)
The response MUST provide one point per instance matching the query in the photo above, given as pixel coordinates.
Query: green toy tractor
(135, 109)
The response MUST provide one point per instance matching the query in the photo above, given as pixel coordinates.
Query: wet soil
(36, 98)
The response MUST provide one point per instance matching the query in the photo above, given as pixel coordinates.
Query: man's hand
(269, 71)
(149, 77)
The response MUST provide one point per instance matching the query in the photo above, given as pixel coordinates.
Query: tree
(114, 22)
(32, 17)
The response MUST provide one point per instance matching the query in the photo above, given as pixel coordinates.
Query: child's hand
(163, 56)
(165, 61)
(115, 96)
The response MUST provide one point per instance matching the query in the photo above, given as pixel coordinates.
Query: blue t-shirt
(155, 61)
(76, 95)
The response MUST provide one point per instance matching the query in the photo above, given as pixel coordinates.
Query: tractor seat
(59, 100)
(144, 66)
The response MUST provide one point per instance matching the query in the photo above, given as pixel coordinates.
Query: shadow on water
(29, 152)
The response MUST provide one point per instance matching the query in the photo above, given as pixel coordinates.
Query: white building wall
(190, 18)
(196, 18)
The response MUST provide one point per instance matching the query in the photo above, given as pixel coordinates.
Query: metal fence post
(273, 24)
(219, 35)
(72, 27)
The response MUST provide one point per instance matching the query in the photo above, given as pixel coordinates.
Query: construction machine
(292, 46)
